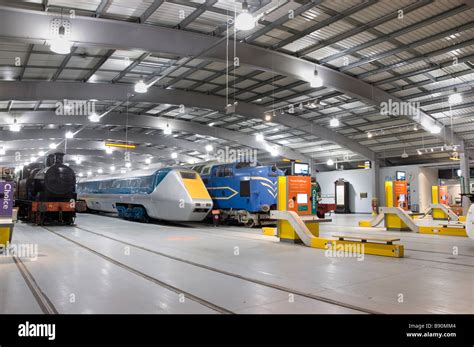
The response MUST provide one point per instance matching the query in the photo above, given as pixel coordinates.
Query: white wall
(427, 178)
(359, 182)
(421, 179)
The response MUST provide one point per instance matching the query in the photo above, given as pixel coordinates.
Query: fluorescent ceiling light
(334, 122)
(167, 130)
(94, 117)
(60, 44)
(244, 20)
(435, 129)
(15, 127)
(141, 87)
(316, 81)
(455, 98)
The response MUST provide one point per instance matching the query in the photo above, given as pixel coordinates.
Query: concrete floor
(196, 268)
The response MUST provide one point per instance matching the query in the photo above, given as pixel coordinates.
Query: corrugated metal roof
(89, 5)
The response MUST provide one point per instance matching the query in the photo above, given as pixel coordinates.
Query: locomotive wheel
(69, 220)
(250, 223)
(39, 218)
(145, 218)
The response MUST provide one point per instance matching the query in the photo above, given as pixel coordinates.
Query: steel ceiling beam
(464, 59)
(76, 91)
(130, 67)
(24, 145)
(376, 22)
(102, 7)
(150, 10)
(151, 122)
(396, 33)
(324, 23)
(97, 66)
(25, 62)
(118, 136)
(417, 58)
(63, 64)
(196, 13)
(282, 20)
(30, 26)
(415, 44)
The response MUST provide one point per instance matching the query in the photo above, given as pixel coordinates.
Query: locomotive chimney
(58, 158)
(49, 160)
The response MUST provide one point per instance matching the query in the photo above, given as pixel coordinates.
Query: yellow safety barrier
(269, 231)
(462, 218)
(365, 223)
(387, 249)
(6, 231)
(443, 230)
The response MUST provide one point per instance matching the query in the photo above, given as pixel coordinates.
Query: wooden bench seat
(366, 238)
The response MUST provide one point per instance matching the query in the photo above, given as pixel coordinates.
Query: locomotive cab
(243, 191)
(47, 192)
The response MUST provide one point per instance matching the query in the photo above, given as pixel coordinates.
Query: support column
(465, 174)
(375, 176)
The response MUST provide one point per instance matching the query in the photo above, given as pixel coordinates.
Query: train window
(160, 175)
(220, 171)
(105, 184)
(188, 175)
(241, 165)
(244, 188)
(146, 182)
(206, 170)
(124, 183)
(228, 171)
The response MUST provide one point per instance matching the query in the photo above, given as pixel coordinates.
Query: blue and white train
(170, 194)
(242, 191)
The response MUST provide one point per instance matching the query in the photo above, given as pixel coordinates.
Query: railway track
(152, 279)
(234, 236)
(41, 298)
(220, 271)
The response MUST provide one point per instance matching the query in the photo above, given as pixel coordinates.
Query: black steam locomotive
(46, 192)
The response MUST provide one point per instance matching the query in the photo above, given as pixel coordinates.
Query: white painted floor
(128, 267)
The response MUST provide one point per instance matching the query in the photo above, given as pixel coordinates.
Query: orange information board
(443, 195)
(299, 194)
(400, 194)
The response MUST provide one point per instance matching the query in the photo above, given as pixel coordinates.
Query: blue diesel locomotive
(243, 192)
